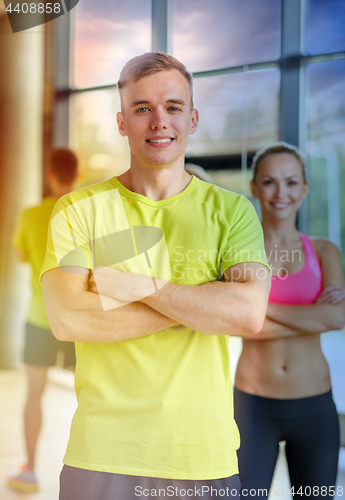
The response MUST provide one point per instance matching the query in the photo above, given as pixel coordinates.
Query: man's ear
(194, 121)
(121, 123)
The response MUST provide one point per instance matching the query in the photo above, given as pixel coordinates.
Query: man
(155, 415)
(41, 347)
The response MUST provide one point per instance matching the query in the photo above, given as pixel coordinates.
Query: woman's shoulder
(324, 248)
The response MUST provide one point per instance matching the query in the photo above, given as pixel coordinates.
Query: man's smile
(160, 141)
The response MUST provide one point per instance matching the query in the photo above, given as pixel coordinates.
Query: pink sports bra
(302, 287)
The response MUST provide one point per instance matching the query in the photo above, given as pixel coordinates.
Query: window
(324, 28)
(223, 33)
(326, 149)
(243, 113)
(102, 151)
(240, 67)
(106, 35)
(237, 112)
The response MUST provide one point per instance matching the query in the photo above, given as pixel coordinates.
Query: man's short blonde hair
(150, 63)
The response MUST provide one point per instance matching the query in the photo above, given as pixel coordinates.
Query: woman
(282, 385)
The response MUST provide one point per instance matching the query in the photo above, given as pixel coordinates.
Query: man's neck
(156, 182)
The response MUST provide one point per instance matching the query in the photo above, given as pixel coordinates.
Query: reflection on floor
(59, 405)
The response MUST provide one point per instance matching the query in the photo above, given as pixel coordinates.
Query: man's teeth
(159, 141)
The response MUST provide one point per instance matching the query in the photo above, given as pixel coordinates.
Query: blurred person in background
(198, 172)
(282, 384)
(41, 347)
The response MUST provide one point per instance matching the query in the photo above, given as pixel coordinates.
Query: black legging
(310, 427)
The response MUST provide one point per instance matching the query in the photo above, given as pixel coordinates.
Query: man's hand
(122, 286)
(92, 284)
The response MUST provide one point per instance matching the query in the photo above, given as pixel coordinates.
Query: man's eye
(267, 183)
(142, 110)
(292, 183)
(174, 108)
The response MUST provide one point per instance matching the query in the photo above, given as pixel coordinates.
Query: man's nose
(158, 120)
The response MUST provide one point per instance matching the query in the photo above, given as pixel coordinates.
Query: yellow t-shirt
(31, 236)
(160, 405)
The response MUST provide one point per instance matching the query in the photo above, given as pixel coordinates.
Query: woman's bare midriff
(283, 368)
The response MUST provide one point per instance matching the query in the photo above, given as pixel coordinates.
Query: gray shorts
(41, 348)
(82, 484)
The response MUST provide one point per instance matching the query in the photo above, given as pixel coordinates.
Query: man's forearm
(86, 321)
(214, 309)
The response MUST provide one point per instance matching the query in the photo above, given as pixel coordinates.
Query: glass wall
(102, 151)
(106, 34)
(326, 149)
(223, 33)
(237, 112)
(235, 53)
(324, 26)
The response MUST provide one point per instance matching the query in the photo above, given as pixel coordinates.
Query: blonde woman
(282, 385)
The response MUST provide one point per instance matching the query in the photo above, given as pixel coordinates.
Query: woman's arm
(321, 316)
(272, 330)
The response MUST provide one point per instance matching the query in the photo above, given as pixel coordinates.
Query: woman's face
(279, 185)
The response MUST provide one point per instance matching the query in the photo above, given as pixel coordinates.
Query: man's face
(157, 118)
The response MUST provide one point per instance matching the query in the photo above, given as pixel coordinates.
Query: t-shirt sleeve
(68, 243)
(245, 241)
(19, 238)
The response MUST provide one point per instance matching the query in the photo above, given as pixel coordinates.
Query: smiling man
(149, 273)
